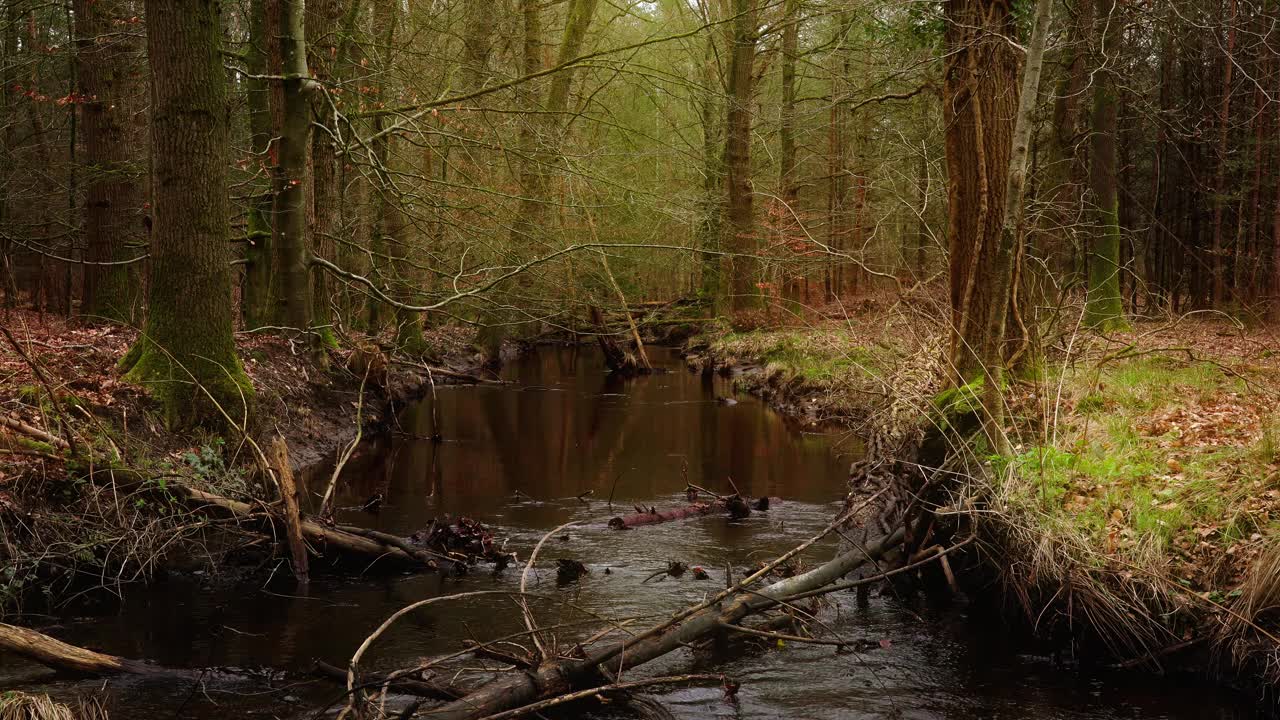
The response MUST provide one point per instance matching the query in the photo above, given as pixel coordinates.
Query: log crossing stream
(523, 457)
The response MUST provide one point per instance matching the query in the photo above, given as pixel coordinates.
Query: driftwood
(57, 655)
(654, 515)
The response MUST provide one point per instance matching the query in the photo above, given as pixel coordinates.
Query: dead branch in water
(331, 541)
(57, 655)
(289, 498)
(564, 676)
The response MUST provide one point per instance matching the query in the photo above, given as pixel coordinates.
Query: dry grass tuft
(16, 705)
(1243, 635)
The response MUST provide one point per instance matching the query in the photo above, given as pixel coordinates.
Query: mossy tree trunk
(290, 245)
(1002, 275)
(187, 352)
(1103, 306)
(112, 191)
(711, 112)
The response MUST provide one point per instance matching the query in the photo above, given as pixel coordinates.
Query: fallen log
(57, 655)
(693, 509)
(561, 676)
(658, 516)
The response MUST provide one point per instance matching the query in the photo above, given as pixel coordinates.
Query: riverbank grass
(1165, 465)
(827, 372)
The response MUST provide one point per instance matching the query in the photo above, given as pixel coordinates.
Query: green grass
(1106, 472)
(820, 356)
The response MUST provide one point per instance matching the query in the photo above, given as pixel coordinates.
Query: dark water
(561, 429)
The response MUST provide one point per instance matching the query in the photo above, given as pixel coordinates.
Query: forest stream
(517, 457)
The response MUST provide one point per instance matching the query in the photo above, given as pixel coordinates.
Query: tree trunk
(1220, 173)
(709, 224)
(1104, 307)
(290, 247)
(787, 125)
(980, 93)
(187, 353)
(540, 133)
(322, 26)
(255, 294)
(1002, 276)
(55, 654)
(112, 194)
(741, 241)
(558, 676)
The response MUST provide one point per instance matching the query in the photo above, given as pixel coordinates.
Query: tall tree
(1002, 271)
(187, 351)
(1104, 307)
(1220, 170)
(290, 245)
(711, 117)
(322, 19)
(113, 229)
(980, 93)
(255, 297)
(739, 207)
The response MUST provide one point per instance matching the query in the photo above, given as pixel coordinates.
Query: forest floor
(1146, 470)
(63, 533)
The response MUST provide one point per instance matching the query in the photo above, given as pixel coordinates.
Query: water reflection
(566, 426)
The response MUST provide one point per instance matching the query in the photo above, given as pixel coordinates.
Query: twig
(783, 636)
(580, 694)
(524, 581)
(615, 486)
(326, 503)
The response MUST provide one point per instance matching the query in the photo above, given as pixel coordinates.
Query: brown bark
(980, 93)
(187, 353)
(660, 516)
(290, 498)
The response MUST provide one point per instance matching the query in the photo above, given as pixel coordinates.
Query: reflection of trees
(555, 444)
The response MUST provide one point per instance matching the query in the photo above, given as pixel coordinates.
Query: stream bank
(571, 427)
(71, 531)
(1137, 522)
